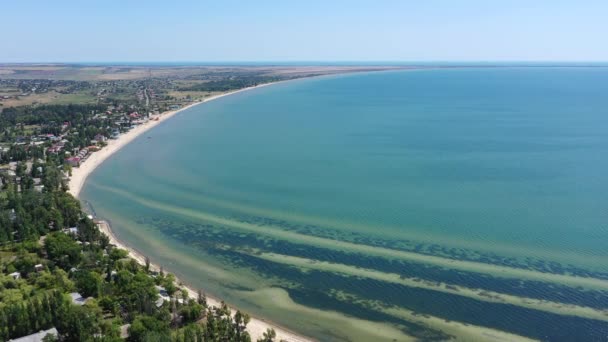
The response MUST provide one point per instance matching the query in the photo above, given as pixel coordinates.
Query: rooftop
(37, 337)
(77, 298)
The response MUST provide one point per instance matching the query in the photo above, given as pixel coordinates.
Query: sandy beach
(256, 327)
(80, 174)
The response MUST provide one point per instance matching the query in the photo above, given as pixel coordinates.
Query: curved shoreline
(81, 173)
(256, 327)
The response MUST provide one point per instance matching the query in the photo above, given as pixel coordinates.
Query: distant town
(66, 120)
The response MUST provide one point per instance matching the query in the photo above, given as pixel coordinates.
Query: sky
(311, 30)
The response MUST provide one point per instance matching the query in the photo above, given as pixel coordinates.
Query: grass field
(48, 98)
(126, 72)
(85, 84)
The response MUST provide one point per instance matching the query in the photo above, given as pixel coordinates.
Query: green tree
(50, 338)
(52, 177)
(136, 292)
(191, 311)
(88, 283)
(117, 254)
(62, 250)
(145, 327)
(202, 298)
(268, 336)
(80, 322)
(240, 324)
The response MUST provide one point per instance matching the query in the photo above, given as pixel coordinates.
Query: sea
(466, 203)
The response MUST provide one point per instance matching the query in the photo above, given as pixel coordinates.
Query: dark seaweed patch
(522, 321)
(229, 245)
(209, 238)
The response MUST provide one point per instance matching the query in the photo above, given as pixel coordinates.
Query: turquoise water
(321, 203)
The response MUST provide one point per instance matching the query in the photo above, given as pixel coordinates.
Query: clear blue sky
(312, 30)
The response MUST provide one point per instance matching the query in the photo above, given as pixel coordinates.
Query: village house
(73, 161)
(38, 186)
(47, 136)
(163, 296)
(100, 138)
(12, 215)
(71, 231)
(77, 298)
(83, 153)
(56, 148)
(37, 337)
(124, 331)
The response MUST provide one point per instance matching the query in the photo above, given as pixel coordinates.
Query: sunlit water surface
(381, 206)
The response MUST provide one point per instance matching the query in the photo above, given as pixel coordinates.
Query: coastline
(256, 327)
(82, 172)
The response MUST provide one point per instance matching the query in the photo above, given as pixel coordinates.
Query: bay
(381, 206)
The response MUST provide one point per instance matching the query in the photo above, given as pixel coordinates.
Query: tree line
(52, 261)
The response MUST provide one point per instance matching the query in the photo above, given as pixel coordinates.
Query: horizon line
(303, 63)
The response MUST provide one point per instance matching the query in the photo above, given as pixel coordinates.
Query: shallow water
(384, 205)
